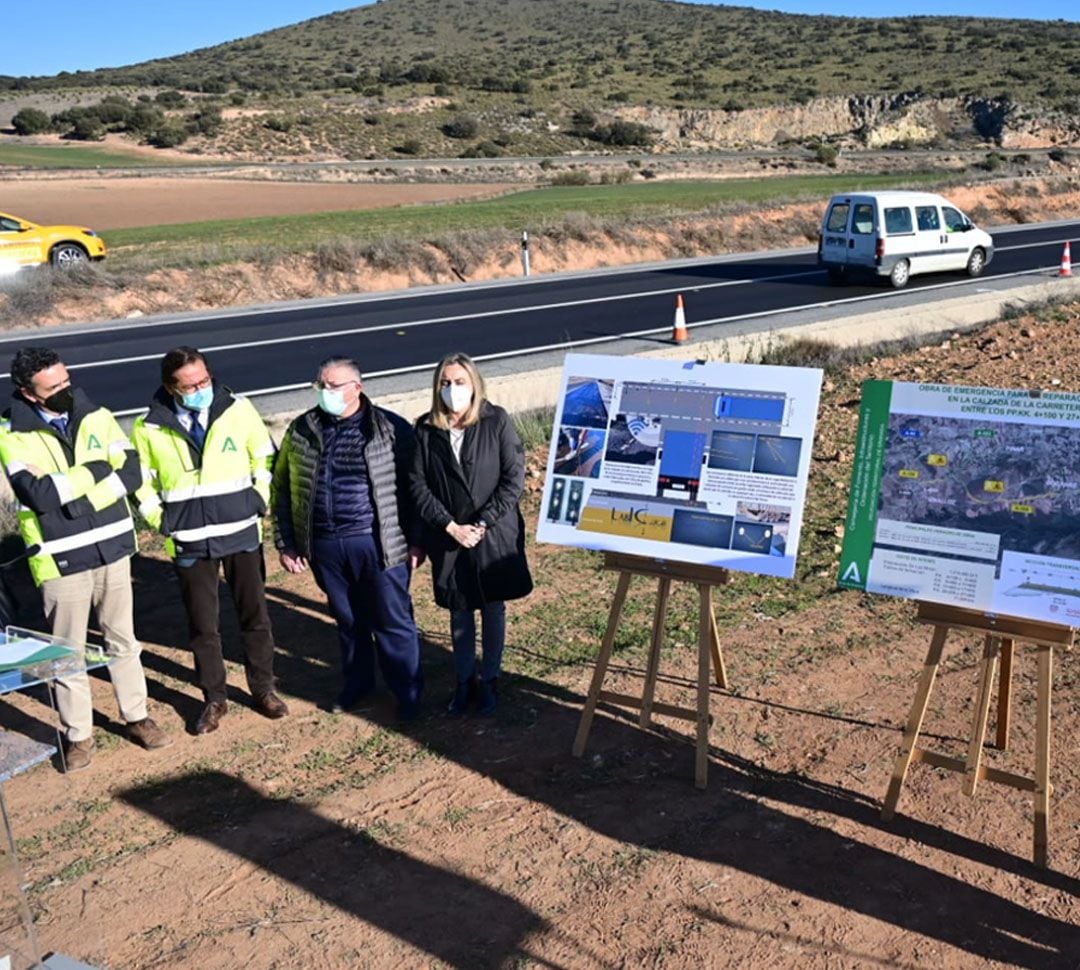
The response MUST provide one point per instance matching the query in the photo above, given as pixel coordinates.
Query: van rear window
(928, 218)
(863, 221)
(838, 217)
(898, 221)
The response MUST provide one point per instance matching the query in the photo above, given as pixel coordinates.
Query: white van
(899, 234)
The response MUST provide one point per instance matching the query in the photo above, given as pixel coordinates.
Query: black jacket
(388, 455)
(485, 485)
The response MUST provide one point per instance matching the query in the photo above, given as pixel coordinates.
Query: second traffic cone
(1066, 261)
(679, 333)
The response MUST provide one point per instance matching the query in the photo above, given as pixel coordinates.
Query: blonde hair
(441, 416)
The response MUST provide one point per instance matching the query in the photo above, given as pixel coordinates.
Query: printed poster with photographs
(682, 461)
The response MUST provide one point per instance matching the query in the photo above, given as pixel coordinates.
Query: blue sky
(46, 39)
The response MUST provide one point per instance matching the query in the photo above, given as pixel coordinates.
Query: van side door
(958, 244)
(931, 253)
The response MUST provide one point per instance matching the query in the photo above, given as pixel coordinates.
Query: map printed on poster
(968, 496)
(688, 462)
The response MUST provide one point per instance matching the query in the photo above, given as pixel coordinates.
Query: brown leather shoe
(211, 717)
(147, 733)
(77, 755)
(271, 706)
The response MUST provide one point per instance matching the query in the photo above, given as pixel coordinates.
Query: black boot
(489, 697)
(463, 694)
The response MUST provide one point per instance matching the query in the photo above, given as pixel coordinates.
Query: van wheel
(900, 274)
(976, 262)
(837, 276)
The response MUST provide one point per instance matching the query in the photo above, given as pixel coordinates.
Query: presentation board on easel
(684, 461)
(967, 500)
(678, 471)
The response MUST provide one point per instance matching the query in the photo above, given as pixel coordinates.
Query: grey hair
(338, 361)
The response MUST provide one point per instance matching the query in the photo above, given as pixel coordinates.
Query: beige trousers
(68, 600)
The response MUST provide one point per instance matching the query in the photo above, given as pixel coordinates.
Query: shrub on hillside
(170, 99)
(169, 134)
(31, 121)
(482, 149)
(461, 127)
(623, 134)
(573, 177)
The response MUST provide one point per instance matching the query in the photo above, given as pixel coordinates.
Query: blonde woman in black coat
(467, 478)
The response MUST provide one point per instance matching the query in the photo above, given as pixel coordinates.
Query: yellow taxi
(24, 243)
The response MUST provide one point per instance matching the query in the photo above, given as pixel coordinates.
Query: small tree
(30, 121)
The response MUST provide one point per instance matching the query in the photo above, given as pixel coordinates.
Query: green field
(80, 156)
(532, 209)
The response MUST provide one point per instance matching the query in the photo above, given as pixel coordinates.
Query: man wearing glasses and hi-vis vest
(72, 468)
(207, 458)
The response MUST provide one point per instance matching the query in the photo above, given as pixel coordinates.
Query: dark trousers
(245, 572)
(374, 615)
(492, 638)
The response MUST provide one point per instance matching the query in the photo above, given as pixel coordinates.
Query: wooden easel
(705, 578)
(1001, 633)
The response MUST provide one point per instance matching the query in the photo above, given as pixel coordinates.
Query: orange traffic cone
(1066, 261)
(679, 333)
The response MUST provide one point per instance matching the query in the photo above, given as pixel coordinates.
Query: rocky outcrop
(872, 121)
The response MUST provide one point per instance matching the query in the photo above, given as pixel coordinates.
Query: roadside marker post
(525, 252)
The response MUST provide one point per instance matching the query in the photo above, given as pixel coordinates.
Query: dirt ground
(126, 202)
(352, 841)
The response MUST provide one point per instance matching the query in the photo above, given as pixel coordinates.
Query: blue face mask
(332, 401)
(199, 400)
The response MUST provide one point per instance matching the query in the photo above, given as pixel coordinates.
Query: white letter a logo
(851, 574)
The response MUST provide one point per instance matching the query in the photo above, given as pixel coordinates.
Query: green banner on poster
(866, 475)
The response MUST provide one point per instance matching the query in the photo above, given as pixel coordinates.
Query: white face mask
(457, 397)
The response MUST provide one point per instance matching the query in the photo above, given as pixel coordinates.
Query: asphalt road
(272, 350)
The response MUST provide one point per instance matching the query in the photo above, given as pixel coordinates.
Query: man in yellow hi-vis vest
(207, 457)
(71, 469)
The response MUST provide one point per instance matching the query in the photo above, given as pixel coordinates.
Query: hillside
(638, 51)
(448, 77)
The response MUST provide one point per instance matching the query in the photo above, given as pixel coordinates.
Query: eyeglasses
(192, 388)
(327, 386)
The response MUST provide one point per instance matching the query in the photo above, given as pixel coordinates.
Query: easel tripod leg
(915, 719)
(585, 724)
(1042, 754)
(1004, 712)
(701, 764)
(652, 669)
(982, 712)
(717, 654)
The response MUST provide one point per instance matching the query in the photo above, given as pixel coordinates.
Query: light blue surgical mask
(332, 401)
(199, 400)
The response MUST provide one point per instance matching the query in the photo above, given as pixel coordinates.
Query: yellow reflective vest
(208, 501)
(72, 489)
